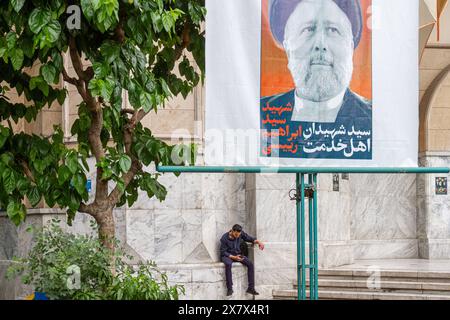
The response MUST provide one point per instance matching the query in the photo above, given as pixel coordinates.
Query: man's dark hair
(237, 228)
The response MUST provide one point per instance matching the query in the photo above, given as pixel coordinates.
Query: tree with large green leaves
(136, 46)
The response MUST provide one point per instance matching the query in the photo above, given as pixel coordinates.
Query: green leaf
(39, 165)
(57, 60)
(110, 51)
(4, 134)
(79, 182)
(34, 196)
(9, 181)
(132, 198)
(64, 174)
(72, 163)
(74, 201)
(27, 47)
(43, 86)
(165, 88)
(103, 88)
(101, 70)
(7, 158)
(34, 82)
(23, 185)
(106, 173)
(61, 96)
(52, 31)
(153, 187)
(17, 58)
(125, 163)
(146, 100)
(48, 72)
(168, 22)
(39, 18)
(16, 212)
(17, 4)
(11, 40)
(89, 7)
(120, 185)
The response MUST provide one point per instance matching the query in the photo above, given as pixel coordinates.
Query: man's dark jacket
(230, 246)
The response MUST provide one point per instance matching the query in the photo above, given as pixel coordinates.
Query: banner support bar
(305, 170)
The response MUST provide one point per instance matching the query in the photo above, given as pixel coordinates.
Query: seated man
(230, 252)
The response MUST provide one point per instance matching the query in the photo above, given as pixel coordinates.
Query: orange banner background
(276, 78)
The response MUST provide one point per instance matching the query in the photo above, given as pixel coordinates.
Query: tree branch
(129, 111)
(186, 40)
(116, 194)
(69, 79)
(76, 59)
(119, 32)
(136, 165)
(95, 107)
(86, 208)
(26, 170)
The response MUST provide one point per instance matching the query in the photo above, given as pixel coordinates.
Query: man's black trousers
(246, 262)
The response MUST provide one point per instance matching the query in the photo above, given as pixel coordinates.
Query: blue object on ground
(40, 296)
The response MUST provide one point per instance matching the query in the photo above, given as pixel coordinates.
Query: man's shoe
(229, 292)
(252, 291)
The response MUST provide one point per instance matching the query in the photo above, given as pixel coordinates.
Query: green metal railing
(304, 190)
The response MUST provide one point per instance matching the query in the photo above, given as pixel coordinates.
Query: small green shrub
(140, 284)
(77, 267)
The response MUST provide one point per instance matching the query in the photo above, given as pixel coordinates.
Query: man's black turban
(280, 11)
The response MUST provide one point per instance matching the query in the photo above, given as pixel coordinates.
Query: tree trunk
(107, 230)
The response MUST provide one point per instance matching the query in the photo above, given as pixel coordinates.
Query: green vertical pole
(297, 202)
(311, 243)
(302, 223)
(316, 264)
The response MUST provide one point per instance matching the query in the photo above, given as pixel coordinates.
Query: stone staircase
(340, 284)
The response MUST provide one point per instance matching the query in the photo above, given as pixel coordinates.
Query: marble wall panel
(274, 181)
(140, 233)
(207, 281)
(8, 239)
(402, 185)
(433, 214)
(144, 202)
(438, 249)
(334, 216)
(26, 240)
(168, 241)
(192, 191)
(276, 216)
(386, 249)
(210, 232)
(334, 253)
(250, 200)
(223, 191)
(192, 248)
(383, 217)
(174, 198)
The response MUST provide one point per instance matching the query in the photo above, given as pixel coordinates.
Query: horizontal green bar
(308, 266)
(220, 169)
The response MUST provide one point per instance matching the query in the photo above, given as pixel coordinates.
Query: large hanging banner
(312, 83)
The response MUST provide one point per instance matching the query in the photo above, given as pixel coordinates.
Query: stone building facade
(370, 217)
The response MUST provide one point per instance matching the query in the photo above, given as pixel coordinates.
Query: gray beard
(321, 85)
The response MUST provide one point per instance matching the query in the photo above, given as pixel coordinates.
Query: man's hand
(236, 258)
(260, 244)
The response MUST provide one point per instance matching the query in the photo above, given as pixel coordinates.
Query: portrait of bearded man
(319, 38)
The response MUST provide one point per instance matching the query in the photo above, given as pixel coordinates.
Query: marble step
(355, 295)
(388, 275)
(384, 286)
